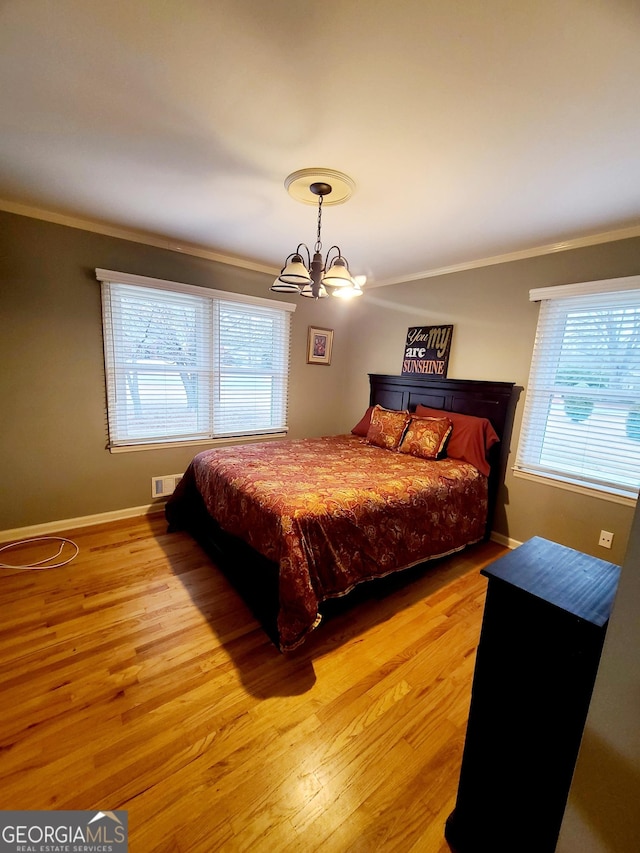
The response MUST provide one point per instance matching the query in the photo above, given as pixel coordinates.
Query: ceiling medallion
(298, 185)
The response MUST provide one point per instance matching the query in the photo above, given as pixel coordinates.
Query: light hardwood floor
(135, 678)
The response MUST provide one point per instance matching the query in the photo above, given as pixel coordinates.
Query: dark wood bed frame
(256, 578)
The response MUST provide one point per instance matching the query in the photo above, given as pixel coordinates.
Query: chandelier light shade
(351, 292)
(338, 273)
(307, 291)
(314, 276)
(293, 276)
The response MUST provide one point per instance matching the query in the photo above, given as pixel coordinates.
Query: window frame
(525, 466)
(118, 444)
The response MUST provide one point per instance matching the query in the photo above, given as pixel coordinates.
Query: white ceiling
(472, 128)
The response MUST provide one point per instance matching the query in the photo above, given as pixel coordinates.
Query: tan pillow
(426, 437)
(387, 427)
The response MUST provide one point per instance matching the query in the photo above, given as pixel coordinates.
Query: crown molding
(523, 254)
(134, 236)
(149, 239)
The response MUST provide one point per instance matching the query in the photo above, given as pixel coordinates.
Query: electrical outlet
(606, 539)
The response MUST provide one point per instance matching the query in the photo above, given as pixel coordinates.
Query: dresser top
(575, 582)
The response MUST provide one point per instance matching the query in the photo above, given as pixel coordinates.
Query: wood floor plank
(135, 678)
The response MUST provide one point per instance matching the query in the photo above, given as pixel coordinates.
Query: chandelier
(317, 277)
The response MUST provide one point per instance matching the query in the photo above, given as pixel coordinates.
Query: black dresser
(544, 623)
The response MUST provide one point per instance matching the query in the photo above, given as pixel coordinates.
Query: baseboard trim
(134, 512)
(507, 541)
(81, 521)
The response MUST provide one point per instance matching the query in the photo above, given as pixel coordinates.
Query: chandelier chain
(318, 247)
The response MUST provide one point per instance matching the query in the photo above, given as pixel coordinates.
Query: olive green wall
(494, 330)
(53, 417)
(53, 429)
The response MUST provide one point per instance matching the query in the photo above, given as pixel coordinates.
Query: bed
(312, 519)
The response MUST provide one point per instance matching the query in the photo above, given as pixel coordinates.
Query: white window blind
(186, 363)
(581, 420)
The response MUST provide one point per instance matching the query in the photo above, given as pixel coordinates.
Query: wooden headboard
(467, 396)
(490, 400)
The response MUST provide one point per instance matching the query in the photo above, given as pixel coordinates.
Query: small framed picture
(319, 346)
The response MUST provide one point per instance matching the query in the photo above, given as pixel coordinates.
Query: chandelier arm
(297, 252)
(339, 255)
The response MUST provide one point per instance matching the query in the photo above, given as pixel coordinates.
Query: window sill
(204, 443)
(574, 487)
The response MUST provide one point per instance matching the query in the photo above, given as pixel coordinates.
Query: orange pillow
(470, 439)
(362, 427)
(387, 427)
(426, 437)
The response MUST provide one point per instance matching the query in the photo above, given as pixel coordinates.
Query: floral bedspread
(335, 511)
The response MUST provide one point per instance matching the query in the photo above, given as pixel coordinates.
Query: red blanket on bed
(335, 511)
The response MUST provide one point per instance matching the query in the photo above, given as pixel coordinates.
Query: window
(186, 363)
(581, 420)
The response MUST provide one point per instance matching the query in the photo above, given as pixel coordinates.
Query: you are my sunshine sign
(427, 350)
